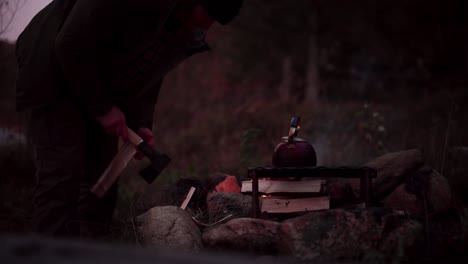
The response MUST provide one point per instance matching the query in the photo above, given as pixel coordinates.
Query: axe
(158, 162)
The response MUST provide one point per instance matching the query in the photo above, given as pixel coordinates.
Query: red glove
(114, 123)
(201, 18)
(147, 136)
(191, 19)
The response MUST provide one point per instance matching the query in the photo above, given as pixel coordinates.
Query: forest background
(367, 77)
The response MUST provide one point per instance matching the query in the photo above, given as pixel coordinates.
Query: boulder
(392, 170)
(169, 226)
(221, 182)
(426, 183)
(244, 234)
(459, 154)
(401, 199)
(222, 204)
(458, 180)
(341, 193)
(349, 235)
(439, 195)
(456, 171)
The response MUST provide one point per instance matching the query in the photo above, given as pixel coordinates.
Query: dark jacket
(97, 53)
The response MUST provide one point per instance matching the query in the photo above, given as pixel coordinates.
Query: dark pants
(70, 151)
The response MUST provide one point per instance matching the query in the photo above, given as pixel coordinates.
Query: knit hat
(224, 11)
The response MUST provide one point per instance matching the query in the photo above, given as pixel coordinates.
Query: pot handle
(294, 127)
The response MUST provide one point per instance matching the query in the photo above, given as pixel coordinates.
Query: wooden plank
(270, 187)
(278, 206)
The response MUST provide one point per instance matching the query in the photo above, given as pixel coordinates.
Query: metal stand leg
(256, 209)
(370, 190)
(366, 189)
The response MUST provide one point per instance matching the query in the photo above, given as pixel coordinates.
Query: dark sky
(23, 16)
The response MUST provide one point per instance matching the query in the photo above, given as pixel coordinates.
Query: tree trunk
(287, 79)
(312, 84)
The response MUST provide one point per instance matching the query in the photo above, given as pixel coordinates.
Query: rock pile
(406, 194)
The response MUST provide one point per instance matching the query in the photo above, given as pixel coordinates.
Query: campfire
(299, 209)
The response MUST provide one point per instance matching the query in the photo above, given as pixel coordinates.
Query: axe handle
(112, 172)
(142, 146)
(134, 138)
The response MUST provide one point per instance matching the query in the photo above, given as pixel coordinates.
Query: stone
(222, 204)
(221, 182)
(457, 175)
(230, 184)
(459, 154)
(170, 227)
(349, 235)
(426, 183)
(456, 172)
(400, 199)
(439, 195)
(341, 193)
(392, 170)
(243, 234)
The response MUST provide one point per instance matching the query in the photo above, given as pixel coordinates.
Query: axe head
(158, 160)
(155, 168)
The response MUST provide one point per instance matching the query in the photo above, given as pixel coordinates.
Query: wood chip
(188, 198)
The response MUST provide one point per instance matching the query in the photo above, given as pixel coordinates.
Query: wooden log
(271, 187)
(282, 206)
